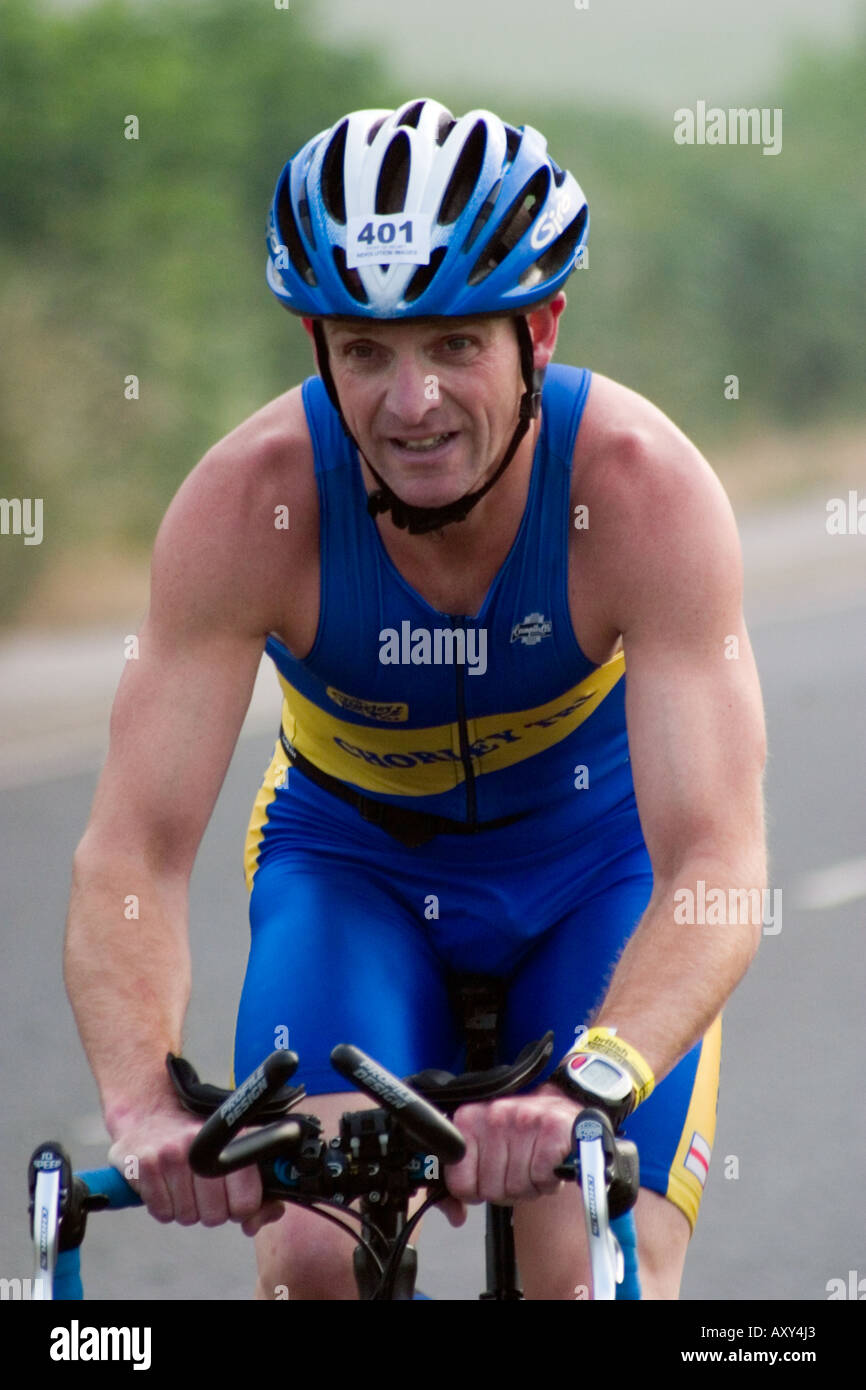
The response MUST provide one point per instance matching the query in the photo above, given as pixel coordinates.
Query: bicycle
(382, 1156)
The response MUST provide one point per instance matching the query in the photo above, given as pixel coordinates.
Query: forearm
(128, 979)
(674, 976)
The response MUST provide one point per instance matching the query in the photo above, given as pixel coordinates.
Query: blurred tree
(145, 256)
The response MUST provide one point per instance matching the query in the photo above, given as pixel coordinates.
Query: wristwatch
(602, 1069)
(595, 1080)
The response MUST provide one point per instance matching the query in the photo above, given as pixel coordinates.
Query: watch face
(599, 1077)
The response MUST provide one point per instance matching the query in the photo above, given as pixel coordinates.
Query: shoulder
(657, 515)
(245, 515)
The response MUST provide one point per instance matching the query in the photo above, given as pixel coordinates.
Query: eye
(459, 343)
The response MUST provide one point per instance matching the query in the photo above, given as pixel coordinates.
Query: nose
(410, 393)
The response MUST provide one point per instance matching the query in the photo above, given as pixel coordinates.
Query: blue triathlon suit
(475, 718)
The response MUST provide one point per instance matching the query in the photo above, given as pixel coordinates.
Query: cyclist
(451, 550)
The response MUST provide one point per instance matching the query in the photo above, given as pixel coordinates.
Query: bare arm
(696, 737)
(176, 718)
(664, 560)
(173, 728)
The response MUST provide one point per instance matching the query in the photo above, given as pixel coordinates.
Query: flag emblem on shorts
(697, 1160)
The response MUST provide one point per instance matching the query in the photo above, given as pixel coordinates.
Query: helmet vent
(464, 178)
(375, 128)
(483, 213)
(304, 214)
(333, 192)
(518, 219)
(556, 255)
(350, 278)
(413, 115)
(394, 176)
(512, 143)
(287, 230)
(424, 274)
(446, 125)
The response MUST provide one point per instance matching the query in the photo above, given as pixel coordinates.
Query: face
(432, 405)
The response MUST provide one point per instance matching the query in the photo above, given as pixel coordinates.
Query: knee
(304, 1257)
(663, 1234)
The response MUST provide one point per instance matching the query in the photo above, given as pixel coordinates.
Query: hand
(151, 1153)
(512, 1148)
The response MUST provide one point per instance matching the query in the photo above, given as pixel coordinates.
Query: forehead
(383, 329)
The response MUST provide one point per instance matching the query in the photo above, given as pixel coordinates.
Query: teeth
(419, 445)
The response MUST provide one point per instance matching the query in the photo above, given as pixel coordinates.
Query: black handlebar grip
(417, 1116)
(211, 1154)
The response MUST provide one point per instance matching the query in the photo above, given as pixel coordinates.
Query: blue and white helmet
(413, 213)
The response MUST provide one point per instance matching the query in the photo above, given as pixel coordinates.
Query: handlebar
(214, 1152)
(375, 1157)
(421, 1120)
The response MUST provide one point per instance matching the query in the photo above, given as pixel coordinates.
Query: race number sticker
(388, 239)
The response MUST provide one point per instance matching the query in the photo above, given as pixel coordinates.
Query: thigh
(553, 1255)
(559, 986)
(674, 1131)
(333, 959)
(562, 979)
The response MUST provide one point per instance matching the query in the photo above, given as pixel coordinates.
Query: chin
(423, 495)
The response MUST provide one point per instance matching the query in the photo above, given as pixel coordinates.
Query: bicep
(174, 725)
(693, 701)
(180, 703)
(697, 746)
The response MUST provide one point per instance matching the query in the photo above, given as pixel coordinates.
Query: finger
(184, 1188)
(461, 1178)
(518, 1179)
(454, 1210)
(119, 1158)
(244, 1192)
(552, 1145)
(211, 1200)
(493, 1152)
(270, 1212)
(154, 1189)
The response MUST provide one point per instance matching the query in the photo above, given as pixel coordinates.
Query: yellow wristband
(609, 1044)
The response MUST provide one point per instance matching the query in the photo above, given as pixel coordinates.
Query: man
(451, 571)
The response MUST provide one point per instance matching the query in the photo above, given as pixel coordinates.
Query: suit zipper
(465, 755)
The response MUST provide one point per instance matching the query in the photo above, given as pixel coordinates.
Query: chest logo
(371, 709)
(532, 629)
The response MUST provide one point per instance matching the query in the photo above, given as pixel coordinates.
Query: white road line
(840, 883)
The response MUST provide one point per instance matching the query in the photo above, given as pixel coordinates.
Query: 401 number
(385, 233)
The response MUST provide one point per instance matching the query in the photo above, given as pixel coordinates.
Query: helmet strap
(419, 520)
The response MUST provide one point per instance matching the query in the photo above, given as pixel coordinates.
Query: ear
(557, 304)
(543, 325)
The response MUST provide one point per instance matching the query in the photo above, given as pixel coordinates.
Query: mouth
(428, 446)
